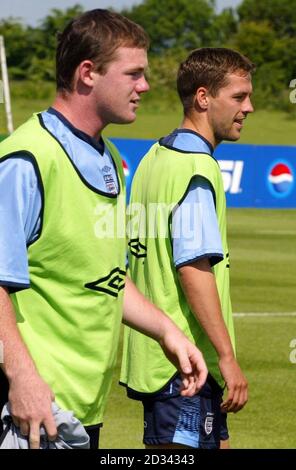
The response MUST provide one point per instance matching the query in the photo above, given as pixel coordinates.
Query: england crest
(209, 424)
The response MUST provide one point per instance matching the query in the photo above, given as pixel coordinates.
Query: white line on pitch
(265, 314)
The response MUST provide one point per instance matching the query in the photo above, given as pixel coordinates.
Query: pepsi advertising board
(253, 175)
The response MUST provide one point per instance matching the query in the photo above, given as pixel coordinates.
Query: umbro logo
(111, 284)
(106, 169)
(137, 249)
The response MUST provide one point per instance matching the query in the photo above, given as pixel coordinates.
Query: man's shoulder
(26, 136)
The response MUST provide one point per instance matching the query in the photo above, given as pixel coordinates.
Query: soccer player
(62, 275)
(179, 256)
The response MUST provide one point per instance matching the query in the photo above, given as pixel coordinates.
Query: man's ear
(85, 72)
(202, 98)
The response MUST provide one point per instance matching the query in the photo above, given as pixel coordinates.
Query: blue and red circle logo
(281, 179)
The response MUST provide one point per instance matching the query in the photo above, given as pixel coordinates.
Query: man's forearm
(142, 315)
(199, 286)
(16, 358)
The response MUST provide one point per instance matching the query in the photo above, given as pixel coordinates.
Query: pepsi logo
(281, 179)
(125, 168)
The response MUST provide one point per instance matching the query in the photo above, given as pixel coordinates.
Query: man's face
(228, 109)
(118, 91)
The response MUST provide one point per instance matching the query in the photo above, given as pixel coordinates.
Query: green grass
(263, 267)
(263, 259)
(268, 420)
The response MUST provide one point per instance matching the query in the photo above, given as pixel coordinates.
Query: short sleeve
(195, 230)
(20, 206)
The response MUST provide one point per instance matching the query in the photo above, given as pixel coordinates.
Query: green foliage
(175, 23)
(31, 51)
(264, 31)
(18, 47)
(280, 14)
(162, 79)
(224, 27)
(266, 34)
(54, 23)
(256, 40)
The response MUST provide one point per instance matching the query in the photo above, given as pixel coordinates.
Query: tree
(18, 46)
(42, 63)
(175, 23)
(267, 34)
(31, 51)
(280, 14)
(224, 26)
(55, 22)
(274, 57)
(256, 40)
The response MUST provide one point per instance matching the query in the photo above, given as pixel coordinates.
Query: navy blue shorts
(192, 421)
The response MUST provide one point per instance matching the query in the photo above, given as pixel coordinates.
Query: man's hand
(30, 401)
(29, 396)
(236, 383)
(187, 358)
(199, 286)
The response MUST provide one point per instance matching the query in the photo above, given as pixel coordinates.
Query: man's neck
(82, 117)
(200, 126)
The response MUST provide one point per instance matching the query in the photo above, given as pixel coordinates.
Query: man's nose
(248, 107)
(142, 85)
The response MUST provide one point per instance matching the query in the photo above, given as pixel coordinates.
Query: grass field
(263, 270)
(263, 274)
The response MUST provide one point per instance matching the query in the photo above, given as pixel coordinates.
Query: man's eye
(135, 74)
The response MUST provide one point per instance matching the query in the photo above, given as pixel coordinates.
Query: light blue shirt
(20, 196)
(195, 230)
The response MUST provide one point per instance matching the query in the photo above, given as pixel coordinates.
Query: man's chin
(233, 137)
(125, 120)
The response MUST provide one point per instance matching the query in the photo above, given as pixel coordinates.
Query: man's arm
(199, 286)
(142, 315)
(30, 397)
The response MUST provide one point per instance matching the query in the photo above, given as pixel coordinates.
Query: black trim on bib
(87, 184)
(184, 130)
(13, 287)
(174, 149)
(185, 151)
